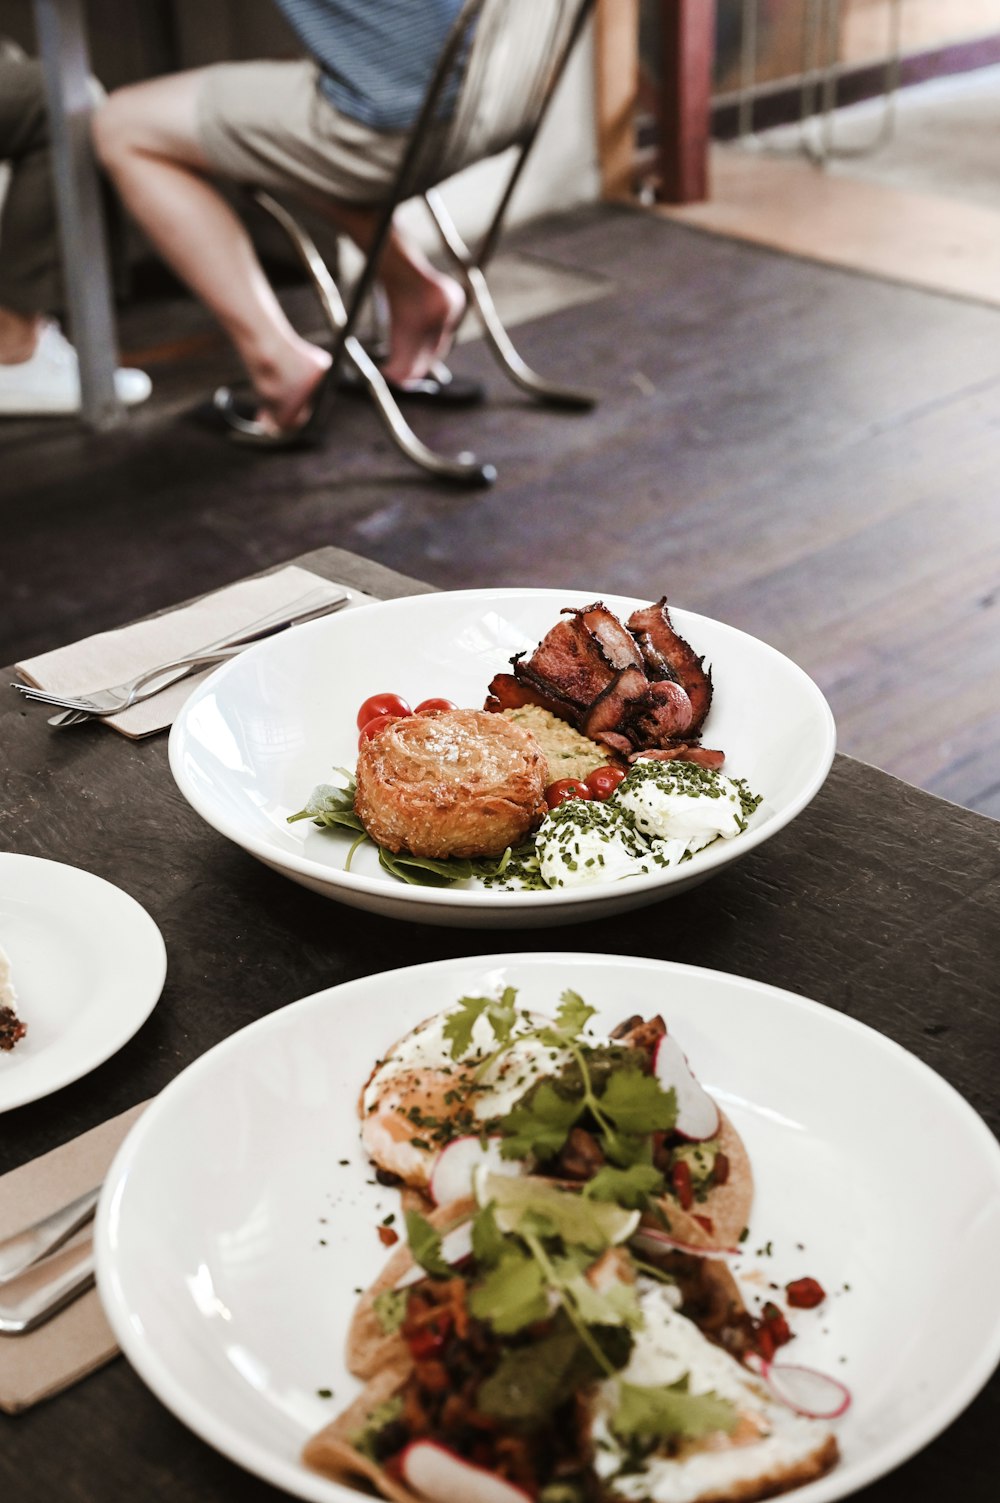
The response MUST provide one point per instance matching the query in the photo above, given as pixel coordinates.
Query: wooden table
(879, 900)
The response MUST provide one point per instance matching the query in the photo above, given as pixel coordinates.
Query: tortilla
(727, 1206)
(330, 1451)
(333, 1450)
(369, 1345)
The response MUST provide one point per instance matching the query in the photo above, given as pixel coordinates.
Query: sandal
(439, 388)
(237, 417)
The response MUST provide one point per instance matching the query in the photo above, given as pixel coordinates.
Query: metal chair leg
(510, 361)
(465, 468)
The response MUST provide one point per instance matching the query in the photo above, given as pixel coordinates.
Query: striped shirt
(377, 56)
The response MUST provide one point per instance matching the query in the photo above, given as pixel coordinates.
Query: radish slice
(456, 1246)
(697, 1113)
(457, 1161)
(813, 1394)
(659, 1240)
(437, 1472)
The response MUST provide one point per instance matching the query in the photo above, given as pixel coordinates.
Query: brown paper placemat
(78, 1339)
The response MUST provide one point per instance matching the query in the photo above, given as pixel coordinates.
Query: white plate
(88, 964)
(229, 1277)
(254, 740)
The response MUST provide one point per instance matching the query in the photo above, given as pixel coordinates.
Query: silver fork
(119, 697)
(36, 1278)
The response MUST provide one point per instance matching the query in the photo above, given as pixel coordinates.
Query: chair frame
(464, 468)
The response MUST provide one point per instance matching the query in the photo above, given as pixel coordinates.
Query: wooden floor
(809, 454)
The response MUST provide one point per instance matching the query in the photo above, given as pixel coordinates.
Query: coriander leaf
(573, 1014)
(512, 1295)
(540, 1124)
(616, 1305)
(534, 1209)
(624, 1149)
(390, 1309)
(425, 1245)
(502, 1014)
(670, 1413)
(488, 1242)
(461, 1021)
(530, 1382)
(630, 1187)
(637, 1103)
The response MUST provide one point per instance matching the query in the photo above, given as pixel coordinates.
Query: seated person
(39, 372)
(331, 128)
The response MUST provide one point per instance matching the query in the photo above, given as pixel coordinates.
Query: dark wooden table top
(879, 900)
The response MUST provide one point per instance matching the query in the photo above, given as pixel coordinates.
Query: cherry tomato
(564, 788)
(434, 704)
(381, 704)
(372, 727)
(603, 781)
(805, 1294)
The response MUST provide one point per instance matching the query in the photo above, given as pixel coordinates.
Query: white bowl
(253, 741)
(240, 1217)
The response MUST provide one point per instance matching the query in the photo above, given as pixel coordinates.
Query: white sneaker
(49, 382)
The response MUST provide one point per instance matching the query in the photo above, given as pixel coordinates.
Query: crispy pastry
(450, 783)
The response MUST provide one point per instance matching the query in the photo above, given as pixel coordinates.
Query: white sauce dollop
(670, 1347)
(684, 806)
(585, 841)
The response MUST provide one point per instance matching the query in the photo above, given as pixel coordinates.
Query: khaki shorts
(268, 124)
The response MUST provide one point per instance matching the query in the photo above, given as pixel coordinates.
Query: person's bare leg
(18, 335)
(146, 137)
(425, 305)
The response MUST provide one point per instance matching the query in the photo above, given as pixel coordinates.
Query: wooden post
(616, 49)
(688, 51)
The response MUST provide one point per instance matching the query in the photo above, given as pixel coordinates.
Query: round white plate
(254, 740)
(229, 1278)
(88, 964)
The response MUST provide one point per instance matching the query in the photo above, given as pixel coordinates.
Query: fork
(37, 1279)
(119, 697)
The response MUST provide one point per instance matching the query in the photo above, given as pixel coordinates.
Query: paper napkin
(78, 1339)
(113, 657)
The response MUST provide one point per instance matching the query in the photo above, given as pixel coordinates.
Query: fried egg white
(772, 1447)
(418, 1096)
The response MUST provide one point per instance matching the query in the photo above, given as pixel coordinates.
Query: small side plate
(88, 963)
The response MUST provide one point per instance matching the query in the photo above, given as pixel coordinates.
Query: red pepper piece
(805, 1294)
(387, 1236)
(680, 1178)
(775, 1324)
(705, 1222)
(720, 1169)
(425, 1343)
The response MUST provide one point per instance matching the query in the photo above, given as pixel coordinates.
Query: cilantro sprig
(628, 1107)
(540, 1276)
(646, 1415)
